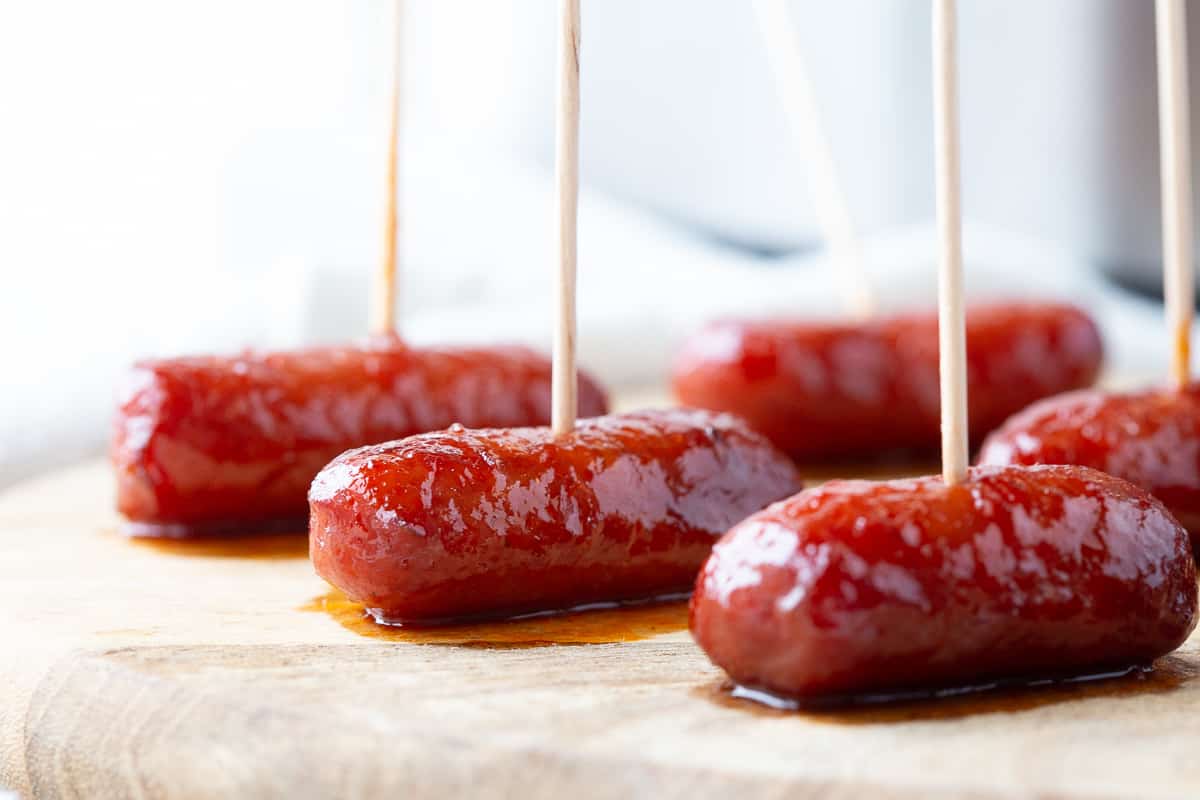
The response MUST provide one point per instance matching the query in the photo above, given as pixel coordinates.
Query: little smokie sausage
(844, 390)
(859, 588)
(482, 523)
(1151, 438)
(231, 444)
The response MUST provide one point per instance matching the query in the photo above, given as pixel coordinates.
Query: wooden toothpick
(1176, 167)
(795, 91)
(383, 296)
(563, 401)
(952, 345)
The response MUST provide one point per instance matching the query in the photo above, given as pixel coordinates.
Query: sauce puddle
(268, 546)
(626, 623)
(1167, 674)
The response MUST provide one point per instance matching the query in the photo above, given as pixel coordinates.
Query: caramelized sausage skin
(213, 445)
(1150, 438)
(463, 524)
(841, 390)
(859, 587)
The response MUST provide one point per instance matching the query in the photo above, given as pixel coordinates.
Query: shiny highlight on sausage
(863, 588)
(825, 391)
(220, 445)
(463, 523)
(1150, 438)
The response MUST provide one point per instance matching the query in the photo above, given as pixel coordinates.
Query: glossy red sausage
(1151, 438)
(230, 444)
(859, 587)
(477, 523)
(843, 390)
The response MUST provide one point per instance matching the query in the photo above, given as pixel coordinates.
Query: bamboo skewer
(799, 100)
(1176, 177)
(383, 295)
(563, 401)
(952, 349)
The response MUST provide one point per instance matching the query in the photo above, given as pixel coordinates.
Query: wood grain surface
(133, 671)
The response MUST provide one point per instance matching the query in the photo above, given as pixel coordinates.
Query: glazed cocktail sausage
(484, 523)
(843, 390)
(859, 587)
(230, 444)
(1151, 438)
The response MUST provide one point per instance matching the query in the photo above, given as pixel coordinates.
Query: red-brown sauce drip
(273, 546)
(628, 623)
(1167, 674)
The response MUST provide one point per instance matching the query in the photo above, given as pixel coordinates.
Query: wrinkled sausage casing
(212, 445)
(843, 390)
(859, 587)
(1151, 438)
(482, 523)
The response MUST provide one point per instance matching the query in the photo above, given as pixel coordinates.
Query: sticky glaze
(266, 547)
(466, 523)
(842, 390)
(610, 625)
(1151, 438)
(1168, 674)
(860, 588)
(223, 445)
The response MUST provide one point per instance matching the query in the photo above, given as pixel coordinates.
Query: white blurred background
(188, 177)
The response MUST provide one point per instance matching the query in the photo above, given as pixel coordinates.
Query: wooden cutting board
(134, 671)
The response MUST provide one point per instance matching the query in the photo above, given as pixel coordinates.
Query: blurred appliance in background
(1060, 136)
(679, 112)
(1061, 126)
